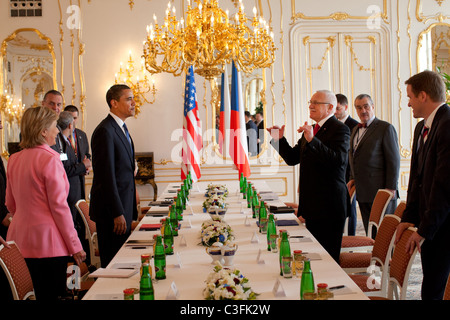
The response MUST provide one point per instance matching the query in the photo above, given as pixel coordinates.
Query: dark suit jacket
(73, 170)
(428, 201)
(252, 137)
(323, 161)
(350, 123)
(375, 164)
(113, 191)
(3, 209)
(82, 151)
(261, 133)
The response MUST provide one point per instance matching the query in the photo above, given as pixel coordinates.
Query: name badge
(63, 156)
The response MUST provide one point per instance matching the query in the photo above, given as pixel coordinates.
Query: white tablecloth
(189, 267)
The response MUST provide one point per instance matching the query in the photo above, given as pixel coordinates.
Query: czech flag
(238, 135)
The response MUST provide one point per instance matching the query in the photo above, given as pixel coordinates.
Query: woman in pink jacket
(36, 195)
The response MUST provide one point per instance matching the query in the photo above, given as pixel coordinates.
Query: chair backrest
(384, 241)
(379, 207)
(447, 290)
(16, 270)
(351, 190)
(400, 209)
(83, 208)
(400, 265)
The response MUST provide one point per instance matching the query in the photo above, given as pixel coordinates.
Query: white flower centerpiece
(215, 230)
(228, 284)
(217, 189)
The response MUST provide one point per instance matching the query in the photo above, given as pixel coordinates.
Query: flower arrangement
(217, 189)
(227, 284)
(215, 200)
(215, 230)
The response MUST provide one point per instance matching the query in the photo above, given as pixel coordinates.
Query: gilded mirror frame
(3, 51)
(420, 41)
(215, 106)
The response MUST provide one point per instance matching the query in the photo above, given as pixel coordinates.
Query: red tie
(362, 125)
(425, 132)
(316, 129)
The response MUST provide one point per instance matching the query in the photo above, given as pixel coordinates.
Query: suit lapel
(369, 131)
(123, 138)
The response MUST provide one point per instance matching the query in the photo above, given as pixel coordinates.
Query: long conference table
(189, 267)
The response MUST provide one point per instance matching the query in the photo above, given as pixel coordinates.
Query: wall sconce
(138, 81)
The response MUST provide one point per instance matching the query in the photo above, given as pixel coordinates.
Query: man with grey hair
(73, 170)
(374, 158)
(322, 155)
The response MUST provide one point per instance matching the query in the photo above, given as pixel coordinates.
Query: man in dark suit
(343, 115)
(74, 170)
(113, 193)
(252, 134)
(322, 155)
(53, 99)
(5, 216)
(260, 126)
(428, 200)
(374, 158)
(79, 142)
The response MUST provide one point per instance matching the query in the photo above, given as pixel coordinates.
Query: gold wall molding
(438, 16)
(338, 16)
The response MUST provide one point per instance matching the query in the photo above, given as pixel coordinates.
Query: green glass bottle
(168, 237)
(255, 204)
(160, 259)
(249, 195)
(182, 195)
(271, 229)
(244, 189)
(173, 218)
(190, 180)
(307, 283)
(146, 291)
(179, 208)
(285, 248)
(241, 182)
(263, 218)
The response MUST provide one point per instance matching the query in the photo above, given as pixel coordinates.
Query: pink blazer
(36, 195)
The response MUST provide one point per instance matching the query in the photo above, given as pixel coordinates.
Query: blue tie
(127, 133)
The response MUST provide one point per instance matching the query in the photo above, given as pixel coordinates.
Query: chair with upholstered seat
(17, 273)
(399, 268)
(91, 232)
(378, 259)
(365, 243)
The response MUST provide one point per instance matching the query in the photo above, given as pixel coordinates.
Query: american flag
(192, 131)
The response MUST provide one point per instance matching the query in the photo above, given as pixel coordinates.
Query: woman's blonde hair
(34, 122)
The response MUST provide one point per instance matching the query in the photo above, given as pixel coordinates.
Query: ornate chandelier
(138, 82)
(208, 40)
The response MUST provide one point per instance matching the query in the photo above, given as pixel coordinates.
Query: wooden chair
(399, 269)
(17, 273)
(365, 243)
(447, 290)
(353, 262)
(91, 232)
(400, 209)
(352, 192)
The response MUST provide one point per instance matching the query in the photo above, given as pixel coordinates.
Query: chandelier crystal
(208, 39)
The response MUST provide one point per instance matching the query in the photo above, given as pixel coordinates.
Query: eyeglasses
(317, 102)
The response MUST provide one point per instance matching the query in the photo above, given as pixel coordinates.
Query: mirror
(255, 102)
(28, 71)
(433, 48)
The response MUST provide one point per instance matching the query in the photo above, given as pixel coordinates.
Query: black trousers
(49, 277)
(435, 256)
(329, 235)
(109, 243)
